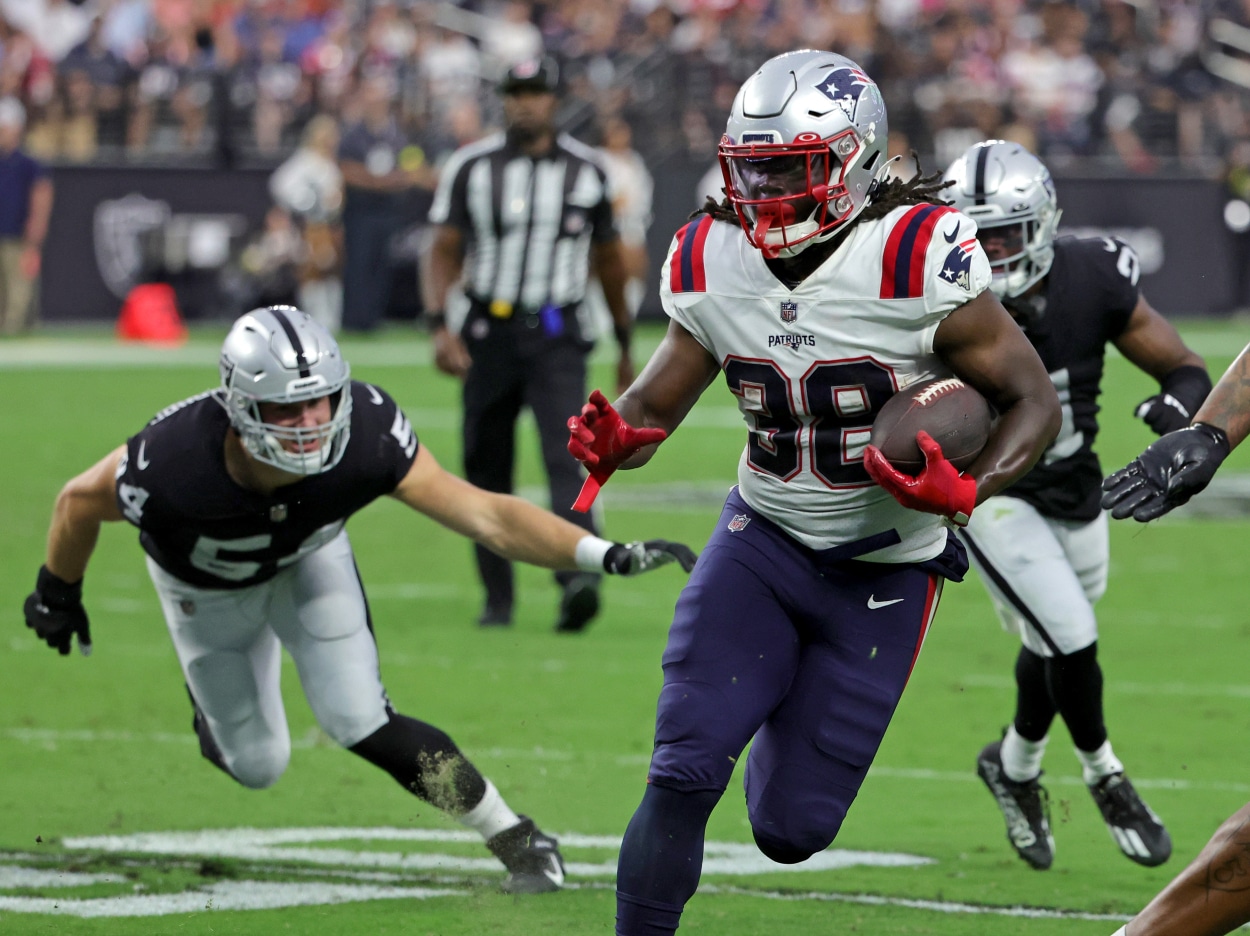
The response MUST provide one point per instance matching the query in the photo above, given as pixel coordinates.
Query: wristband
(590, 553)
(57, 593)
(1188, 385)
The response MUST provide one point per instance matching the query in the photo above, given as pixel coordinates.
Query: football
(955, 414)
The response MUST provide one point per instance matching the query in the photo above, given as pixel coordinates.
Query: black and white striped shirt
(529, 223)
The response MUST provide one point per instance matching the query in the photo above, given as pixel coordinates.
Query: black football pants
(548, 376)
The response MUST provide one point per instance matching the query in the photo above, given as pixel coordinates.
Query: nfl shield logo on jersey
(738, 523)
(789, 310)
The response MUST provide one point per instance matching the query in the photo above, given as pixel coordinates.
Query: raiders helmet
(281, 355)
(805, 140)
(1008, 192)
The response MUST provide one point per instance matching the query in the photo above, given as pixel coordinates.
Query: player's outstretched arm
(1208, 898)
(1151, 343)
(54, 609)
(604, 437)
(1178, 465)
(985, 348)
(516, 529)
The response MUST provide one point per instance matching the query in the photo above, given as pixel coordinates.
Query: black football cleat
(1025, 807)
(1132, 824)
(578, 604)
(495, 616)
(532, 858)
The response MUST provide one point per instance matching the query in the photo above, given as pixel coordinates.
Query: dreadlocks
(883, 197)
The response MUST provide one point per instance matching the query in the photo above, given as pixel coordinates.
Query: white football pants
(1044, 575)
(228, 645)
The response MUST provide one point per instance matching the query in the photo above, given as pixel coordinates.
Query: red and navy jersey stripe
(902, 267)
(686, 273)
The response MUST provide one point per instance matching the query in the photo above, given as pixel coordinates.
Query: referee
(529, 209)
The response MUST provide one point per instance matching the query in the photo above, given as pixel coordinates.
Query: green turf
(562, 724)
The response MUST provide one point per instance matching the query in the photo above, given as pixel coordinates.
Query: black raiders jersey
(203, 528)
(1090, 293)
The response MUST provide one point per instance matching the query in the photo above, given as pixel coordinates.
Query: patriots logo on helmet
(844, 86)
(957, 268)
(789, 310)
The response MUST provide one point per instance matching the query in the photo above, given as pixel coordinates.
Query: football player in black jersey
(240, 495)
(1207, 898)
(1041, 545)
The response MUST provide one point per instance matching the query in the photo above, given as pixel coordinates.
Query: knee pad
(257, 766)
(780, 852)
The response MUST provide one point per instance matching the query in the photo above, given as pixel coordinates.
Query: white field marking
(223, 895)
(12, 876)
(937, 906)
(985, 681)
(416, 591)
(268, 845)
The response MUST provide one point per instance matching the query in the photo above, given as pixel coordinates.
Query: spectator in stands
(631, 186)
(378, 167)
(309, 187)
(25, 204)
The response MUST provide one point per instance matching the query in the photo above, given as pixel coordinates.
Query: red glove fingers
(939, 488)
(601, 440)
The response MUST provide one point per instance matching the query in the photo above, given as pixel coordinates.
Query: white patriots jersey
(811, 366)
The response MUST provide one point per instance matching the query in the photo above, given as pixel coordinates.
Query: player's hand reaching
(601, 441)
(54, 611)
(636, 558)
(1168, 473)
(938, 489)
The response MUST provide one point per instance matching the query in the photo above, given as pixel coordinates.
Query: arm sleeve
(389, 441)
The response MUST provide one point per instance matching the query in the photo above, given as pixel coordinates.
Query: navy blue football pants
(806, 652)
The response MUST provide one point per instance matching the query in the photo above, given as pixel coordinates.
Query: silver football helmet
(1009, 193)
(805, 140)
(281, 355)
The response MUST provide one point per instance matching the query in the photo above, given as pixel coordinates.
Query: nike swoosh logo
(874, 604)
(140, 460)
(377, 397)
(950, 238)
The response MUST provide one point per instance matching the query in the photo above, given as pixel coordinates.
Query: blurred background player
(25, 206)
(797, 290)
(1208, 898)
(240, 495)
(531, 207)
(1040, 546)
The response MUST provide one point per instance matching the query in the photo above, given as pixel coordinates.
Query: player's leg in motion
(1044, 577)
(862, 628)
(230, 660)
(321, 616)
(731, 654)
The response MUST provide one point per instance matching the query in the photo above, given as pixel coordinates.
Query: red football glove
(601, 440)
(938, 489)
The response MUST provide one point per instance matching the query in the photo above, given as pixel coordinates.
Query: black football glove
(636, 558)
(1173, 469)
(54, 610)
(1180, 394)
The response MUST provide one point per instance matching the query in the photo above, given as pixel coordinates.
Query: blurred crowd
(1136, 85)
(1140, 87)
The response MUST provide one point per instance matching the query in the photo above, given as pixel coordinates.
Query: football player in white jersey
(240, 495)
(1208, 898)
(818, 290)
(1041, 546)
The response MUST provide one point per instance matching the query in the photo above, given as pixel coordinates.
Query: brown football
(956, 415)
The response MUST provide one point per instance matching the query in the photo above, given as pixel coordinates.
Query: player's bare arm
(1228, 406)
(84, 503)
(1209, 897)
(984, 346)
(668, 387)
(1151, 343)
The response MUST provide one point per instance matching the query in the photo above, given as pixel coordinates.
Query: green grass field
(99, 768)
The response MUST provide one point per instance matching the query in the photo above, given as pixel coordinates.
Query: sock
(661, 860)
(1035, 709)
(1076, 685)
(491, 815)
(1022, 759)
(1098, 764)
